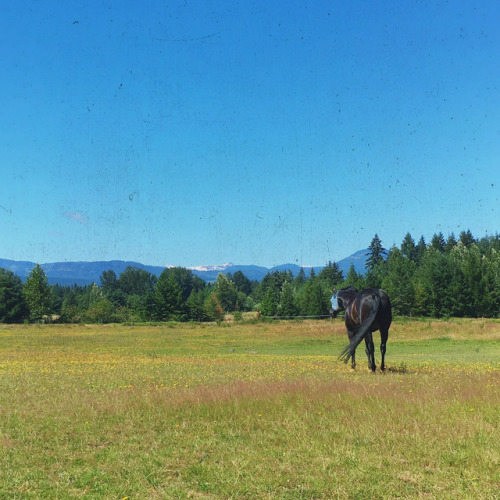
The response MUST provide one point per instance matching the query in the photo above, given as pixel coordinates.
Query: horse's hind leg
(350, 334)
(370, 351)
(384, 335)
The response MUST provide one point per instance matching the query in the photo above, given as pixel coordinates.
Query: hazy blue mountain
(80, 273)
(85, 273)
(358, 259)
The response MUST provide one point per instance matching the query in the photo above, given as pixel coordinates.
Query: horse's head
(345, 295)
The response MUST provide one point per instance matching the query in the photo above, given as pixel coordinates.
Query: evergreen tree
(374, 277)
(226, 293)
(287, 306)
(36, 293)
(437, 242)
(490, 284)
(242, 283)
(168, 299)
(171, 293)
(439, 284)
(300, 279)
(450, 243)
(408, 248)
(399, 282)
(12, 305)
(331, 275)
(195, 305)
(312, 301)
(376, 253)
(421, 247)
(354, 279)
(272, 280)
(186, 280)
(269, 304)
(479, 289)
(466, 238)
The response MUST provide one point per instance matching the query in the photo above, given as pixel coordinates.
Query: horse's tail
(363, 329)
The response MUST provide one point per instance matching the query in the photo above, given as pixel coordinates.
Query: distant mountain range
(86, 273)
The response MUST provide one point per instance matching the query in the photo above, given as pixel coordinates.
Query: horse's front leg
(370, 351)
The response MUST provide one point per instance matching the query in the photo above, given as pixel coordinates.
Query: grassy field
(261, 410)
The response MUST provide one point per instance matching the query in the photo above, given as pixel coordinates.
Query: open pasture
(260, 410)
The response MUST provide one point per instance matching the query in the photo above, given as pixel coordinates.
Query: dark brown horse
(365, 312)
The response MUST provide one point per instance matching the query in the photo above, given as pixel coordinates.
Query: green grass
(248, 411)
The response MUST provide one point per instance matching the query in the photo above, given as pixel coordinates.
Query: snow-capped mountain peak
(219, 267)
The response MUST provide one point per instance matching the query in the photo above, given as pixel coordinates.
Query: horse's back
(376, 297)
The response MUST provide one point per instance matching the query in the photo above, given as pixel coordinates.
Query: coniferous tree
(242, 283)
(437, 242)
(376, 253)
(490, 283)
(331, 275)
(313, 301)
(300, 279)
(272, 280)
(398, 283)
(12, 304)
(37, 294)
(171, 293)
(435, 277)
(450, 243)
(270, 302)
(226, 293)
(168, 299)
(354, 279)
(195, 305)
(466, 238)
(287, 307)
(421, 247)
(408, 248)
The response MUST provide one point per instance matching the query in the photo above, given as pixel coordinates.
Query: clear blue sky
(193, 132)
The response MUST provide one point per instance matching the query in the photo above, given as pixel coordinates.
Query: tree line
(445, 277)
(448, 277)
